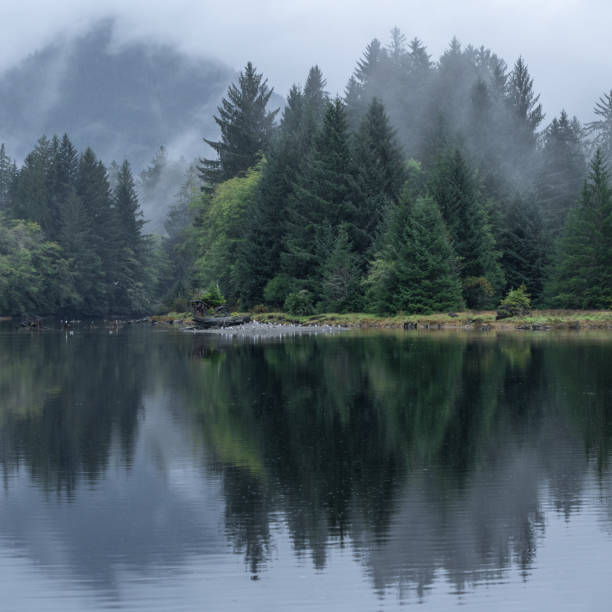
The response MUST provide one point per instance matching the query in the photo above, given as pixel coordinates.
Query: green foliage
(341, 276)
(218, 234)
(477, 291)
(277, 289)
(582, 274)
(324, 196)
(299, 303)
(91, 237)
(458, 194)
(35, 277)
(516, 303)
(523, 246)
(246, 128)
(212, 297)
(415, 270)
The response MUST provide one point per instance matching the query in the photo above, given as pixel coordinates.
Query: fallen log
(217, 322)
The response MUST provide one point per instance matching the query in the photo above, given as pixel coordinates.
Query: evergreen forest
(427, 186)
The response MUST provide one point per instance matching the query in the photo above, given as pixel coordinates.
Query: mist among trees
(428, 186)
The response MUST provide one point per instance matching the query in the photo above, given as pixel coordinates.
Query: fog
(565, 42)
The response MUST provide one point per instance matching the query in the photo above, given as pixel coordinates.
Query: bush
(516, 303)
(212, 297)
(259, 308)
(277, 289)
(299, 303)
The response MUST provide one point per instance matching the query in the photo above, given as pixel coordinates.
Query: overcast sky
(565, 42)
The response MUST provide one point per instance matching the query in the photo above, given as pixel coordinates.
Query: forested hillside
(430, 185)
(123, 101)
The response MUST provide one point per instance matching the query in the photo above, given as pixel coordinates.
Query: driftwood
(218, 322)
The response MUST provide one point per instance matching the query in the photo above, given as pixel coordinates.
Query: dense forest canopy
(427, 186)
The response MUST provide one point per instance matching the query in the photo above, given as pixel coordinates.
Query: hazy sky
(565, 42)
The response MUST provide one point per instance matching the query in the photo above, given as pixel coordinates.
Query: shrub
(299, 303)
(212, 297)
(277, 289)
(516, 303)
(259, 308)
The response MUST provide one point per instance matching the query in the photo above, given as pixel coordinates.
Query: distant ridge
(123, 101)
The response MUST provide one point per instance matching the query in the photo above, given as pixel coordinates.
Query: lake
(148, 469)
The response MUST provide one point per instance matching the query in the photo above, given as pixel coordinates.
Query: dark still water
(153, 470)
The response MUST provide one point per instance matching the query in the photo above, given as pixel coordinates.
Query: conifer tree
(62, 189)
(246, 128)
(260, 253)
(84, 262)
(380, 174)
(32, 187)
(315, 101)
(562, 173)
(341, 276)
(523, 100)
(600, 130)
(415, 270)
(93, 190)
(8, 171)
(523, 247)
(126, 277)
(323, 197)
(582, 273)
(456, 191)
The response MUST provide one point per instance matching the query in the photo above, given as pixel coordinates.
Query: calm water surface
(153, 470)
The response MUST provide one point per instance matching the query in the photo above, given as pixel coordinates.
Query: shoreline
(537, 320)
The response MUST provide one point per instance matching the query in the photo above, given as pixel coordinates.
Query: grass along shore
(536, 320)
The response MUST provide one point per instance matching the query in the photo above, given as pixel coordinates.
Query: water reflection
(422, 455)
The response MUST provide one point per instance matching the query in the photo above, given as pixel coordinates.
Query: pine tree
(323, 197)
(415, 270)
(260, 253)
(380, 175)
(582, 273)
(341, 276)
(601, 129)
(562, 173)
(8, 172)
(93, 190)
(84, 263)
(30, 196)
(246, 128)
(62, 189)
(127, 274)
(523, 100)
(523, 247)
(315, 101)
(456, 191)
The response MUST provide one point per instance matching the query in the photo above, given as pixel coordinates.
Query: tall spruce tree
(84, 262)
(30, 197)
(582, 273)
(246, 128)
(523, 101)
(380, 175)
(64, 172)
(416, 268)
(341, 290)
(456, 190)
(600, 129)
(323, 197)
(8, 172)
(126, 277)
(562, 172)
(523, 246)
(260, 252)
(93, 190)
